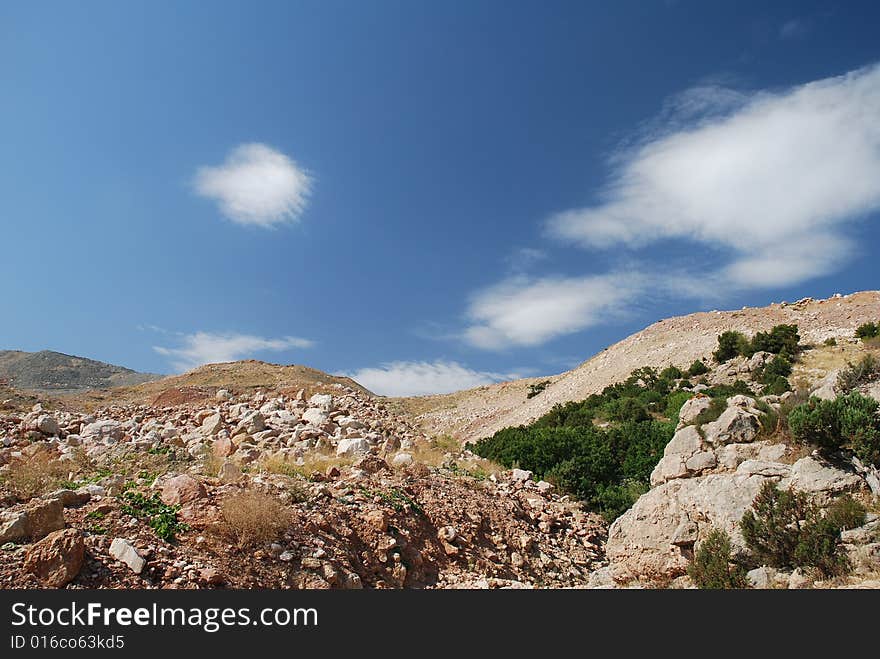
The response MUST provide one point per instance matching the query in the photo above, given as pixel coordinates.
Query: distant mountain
(54, 372)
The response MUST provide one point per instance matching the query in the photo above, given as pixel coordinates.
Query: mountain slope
(56, 372)
(480, 412)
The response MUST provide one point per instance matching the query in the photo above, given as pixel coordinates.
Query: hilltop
(57, 373)
(476, 413)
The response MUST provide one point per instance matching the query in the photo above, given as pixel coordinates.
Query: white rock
(314, 416)
(692, 408)
(810, 475)
(322, 401)
(402, 459)
(123, 551)
(352, 447)
(521, 475)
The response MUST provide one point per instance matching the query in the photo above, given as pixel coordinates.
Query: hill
(57, 373)
(240, 377)
(479, 412)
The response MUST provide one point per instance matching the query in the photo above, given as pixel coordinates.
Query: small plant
(831, 342)
(713, 566)
(535, 389)
(862, 372)
(698, 368)
(161, 517)
(251, 517)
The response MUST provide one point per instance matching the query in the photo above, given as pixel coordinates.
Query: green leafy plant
(161, 517)
(713, 566)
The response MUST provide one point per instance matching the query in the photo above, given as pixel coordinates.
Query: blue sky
(427, 196)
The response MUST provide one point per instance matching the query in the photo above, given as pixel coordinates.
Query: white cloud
(256, 185)
(209, 348)
(522, 311)
(772, 182)
(423, 378)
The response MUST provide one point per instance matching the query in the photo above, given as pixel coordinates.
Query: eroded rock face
(709, 481)
(654, 539)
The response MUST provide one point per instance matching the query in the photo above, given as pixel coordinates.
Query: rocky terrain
(476, 413)
(363, 500)
(55, 372)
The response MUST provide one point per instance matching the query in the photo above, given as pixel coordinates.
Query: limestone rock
(122, 550)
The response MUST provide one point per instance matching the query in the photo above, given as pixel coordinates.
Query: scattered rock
(57, 558)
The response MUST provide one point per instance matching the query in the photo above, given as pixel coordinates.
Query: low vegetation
(537, 388)
(713, 566)
(252, 517)
(161, 517)
(780, 340)
(33, 476)
(784, 529)
(855, 375)
(849, 422)
(868, 331)
(601, 449)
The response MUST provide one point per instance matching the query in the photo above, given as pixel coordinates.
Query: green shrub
(780, 339)
(698, 368)
(868, 331)
(831, 342)
(713, 566)
(535, 389)
(671, 373)
(730, 344)
(854, 375)
(850, 421)
(772, 528)
(784, 529)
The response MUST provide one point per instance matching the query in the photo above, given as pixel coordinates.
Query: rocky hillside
(57, 373)
(479, 412)
(320, 491)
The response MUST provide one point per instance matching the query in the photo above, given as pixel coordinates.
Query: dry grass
(29, 477)
(251, 517)
(316, 462)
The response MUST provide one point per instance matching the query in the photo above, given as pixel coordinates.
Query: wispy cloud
(521, 311)
(766, 185)
(422, 378)
(256, 185)
(796, 28)
(771, 184)
(209, 347)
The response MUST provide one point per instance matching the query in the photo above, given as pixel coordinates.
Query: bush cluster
(854, 375)
(781, 339)
(535, 389)
(868, 331)
(608, 467)
(849, 421)
(784, 529)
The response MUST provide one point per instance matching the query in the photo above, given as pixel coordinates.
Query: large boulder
(684, 444)
(57, 558)
(812, 476)
(107, 431)
(352, 447)
(182, 489)
(37, 520)
(736, 424)
(692, 408)
(654, 540)
(315, 416)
